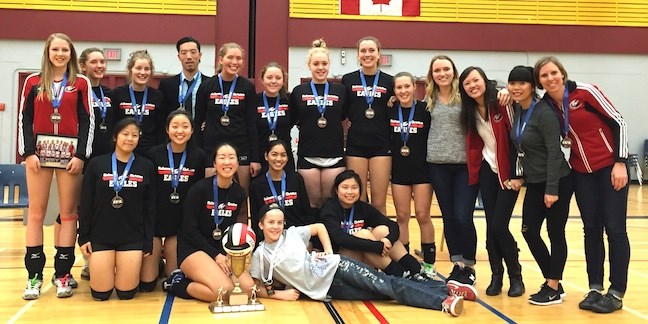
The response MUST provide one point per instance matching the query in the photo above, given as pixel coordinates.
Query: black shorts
(303, 164)
(116, 247)
(184, 249)
(367, 152)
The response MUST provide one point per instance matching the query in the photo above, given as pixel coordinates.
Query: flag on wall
(381, 7)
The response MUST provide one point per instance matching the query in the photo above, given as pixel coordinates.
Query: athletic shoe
(176, 276)
(32, 290)
(592, 297)
(71, 282)
(465, 276)
(85, 272)
(467, 292)
(608, 304)
(452, 305)
(419, 277)
(428, 270)
(546, 296)
(455, 273)
(561, 291)
(63, 289)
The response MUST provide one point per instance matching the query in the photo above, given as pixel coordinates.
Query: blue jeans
(354, 280)
(602, 207)
(457, 202)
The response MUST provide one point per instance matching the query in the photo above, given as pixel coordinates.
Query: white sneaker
(32, 290)
(63, 289)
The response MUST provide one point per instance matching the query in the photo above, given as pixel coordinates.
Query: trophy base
(224, 308)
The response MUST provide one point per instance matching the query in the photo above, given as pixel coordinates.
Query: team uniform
(599, 139)
(341, 227)
(130, 227)
(283, 126)
(241, 130)
(411, 169)
(368, 137)
(296, 206)
(103, 142)
(153, 116)
(173, 87)
(77, 118)
(168, 218)
(198, 224)
(315, 141)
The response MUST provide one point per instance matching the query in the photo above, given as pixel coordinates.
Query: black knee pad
(100, 296)
(147, 286)
(123, 295)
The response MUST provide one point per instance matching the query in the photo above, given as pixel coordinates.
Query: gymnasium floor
(157, 307)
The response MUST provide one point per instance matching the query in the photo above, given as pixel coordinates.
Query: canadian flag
(381, 7)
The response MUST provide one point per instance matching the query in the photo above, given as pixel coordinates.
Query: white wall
(25, 56)
(621, 77)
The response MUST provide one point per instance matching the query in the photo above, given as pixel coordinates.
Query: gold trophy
(238, 241)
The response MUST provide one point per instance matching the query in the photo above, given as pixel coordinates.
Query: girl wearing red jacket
(597, 135)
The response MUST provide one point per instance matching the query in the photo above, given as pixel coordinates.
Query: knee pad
(100, 296)
(58, 219)
(147, 286)
(123, 295)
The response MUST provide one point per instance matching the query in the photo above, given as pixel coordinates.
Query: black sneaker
(455, 273)
(546, 296)
(467, 276)
(176, 276)
(592, 297)
(561, 291)
(418, 277)
(607, 304)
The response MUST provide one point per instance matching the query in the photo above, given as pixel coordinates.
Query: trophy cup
(238, 241)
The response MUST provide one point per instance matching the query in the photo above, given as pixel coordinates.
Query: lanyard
(58, 93)
(175, 173)
(281, 201)
(321, 104)
(183, 94)
(348, 224)
(519, 130)
(565, 111)
(226, 103)
(103, 109)
(272, 123)
(273, 259)
(405, 129)
(138, 113)
(369, 97)
(118, 184)
(218, 220)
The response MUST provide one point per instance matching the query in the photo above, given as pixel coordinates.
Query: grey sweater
(446, 142)
(543, 159)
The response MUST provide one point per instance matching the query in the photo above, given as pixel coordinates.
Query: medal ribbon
(226, 104)
(117, 183)
(274, 190)
(273, 259)
(101, 104)
(519, 130)
(184, 93)
(175, 173)
(369, 97)
(565, 111)
(272, 123)
(404, 130)
(348, 224)
(138, 113)
(321, 105)
(218, 220)
(58, 95)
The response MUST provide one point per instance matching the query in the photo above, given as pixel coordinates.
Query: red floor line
(375, 312)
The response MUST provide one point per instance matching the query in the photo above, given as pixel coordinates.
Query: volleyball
(239, 239)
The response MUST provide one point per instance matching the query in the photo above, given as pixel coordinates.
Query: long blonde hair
(223, 51)
(47, 71)
(432, 89)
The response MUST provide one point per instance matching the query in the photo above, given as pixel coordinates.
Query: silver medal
(370, 113)
(103, 128)
(217, 234)
(225, 120)
(181, 108)
(321, 122)
(117, 202)
(566, 142)
(272, 137)
(55, 117)
(405, 150)
(174, 197)
(520, 154)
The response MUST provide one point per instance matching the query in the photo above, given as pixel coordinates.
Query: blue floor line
(489, 307)
(166, 310)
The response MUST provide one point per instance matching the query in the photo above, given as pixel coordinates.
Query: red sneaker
(453, 305)
(468, 292)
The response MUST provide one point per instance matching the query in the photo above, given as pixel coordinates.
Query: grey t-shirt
(446, 142)
(294, 266)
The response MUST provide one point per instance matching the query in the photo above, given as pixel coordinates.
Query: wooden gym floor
(157, 307)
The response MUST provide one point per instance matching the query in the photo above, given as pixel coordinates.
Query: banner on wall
(410, 8)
